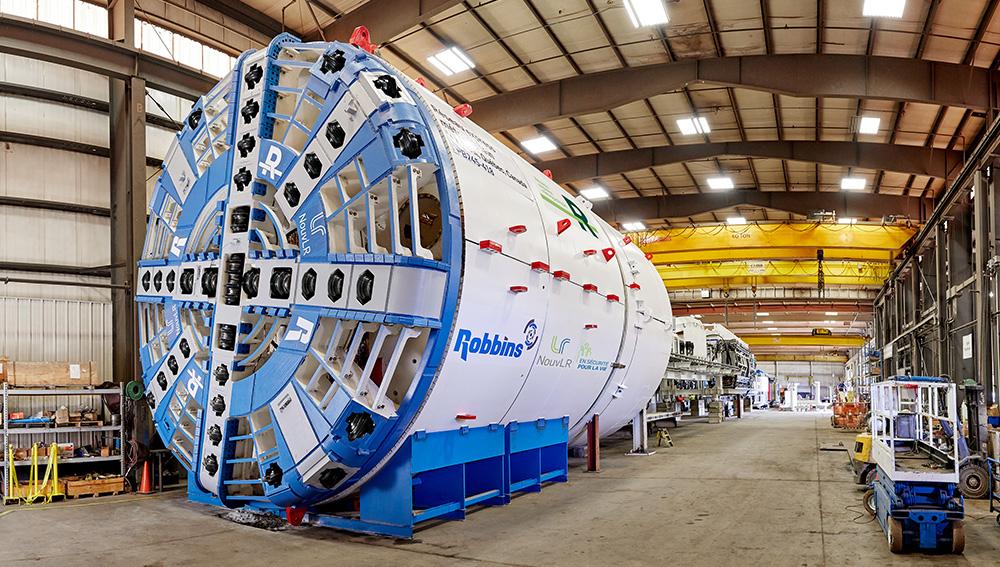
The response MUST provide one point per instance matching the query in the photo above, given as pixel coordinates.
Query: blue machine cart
(925, 516)
(915, 493)
(994, 468)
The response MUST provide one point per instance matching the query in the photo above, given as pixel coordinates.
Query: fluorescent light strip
(720, 183)
(884, 8)
(869, 125)
(633, 226)
(595, 193)
(646, 12)
(694, 125)
(539, 145)
(451, 61)
(853, 183)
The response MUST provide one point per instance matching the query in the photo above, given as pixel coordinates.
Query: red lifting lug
(561, 275)
(518, 229)
(463, 110)
(421, 82)
(627, 240)
(294, 515)
(490, 246)
(360, 38)
(562, 225)
(465, 416)
(547, 173)
(649, 256)
(589, 326)
(539, 266)
(634, 285)
(589, 252)
(518, 288)
(613, 297)
(609, 253)
(590, 287)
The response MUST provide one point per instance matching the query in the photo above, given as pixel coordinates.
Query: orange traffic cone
(146, 485)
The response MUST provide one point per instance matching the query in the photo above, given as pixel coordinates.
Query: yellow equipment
(35, 490)
(861, 459)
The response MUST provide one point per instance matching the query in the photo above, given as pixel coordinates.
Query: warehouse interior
(504, 282)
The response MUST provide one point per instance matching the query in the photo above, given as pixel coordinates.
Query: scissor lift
(994, 469)
(915, 494)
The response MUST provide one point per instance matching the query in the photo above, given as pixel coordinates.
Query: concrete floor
(751, 492)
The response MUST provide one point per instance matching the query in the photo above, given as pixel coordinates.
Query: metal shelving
(50, 399)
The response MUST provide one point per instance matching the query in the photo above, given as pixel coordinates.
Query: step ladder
(662, 435)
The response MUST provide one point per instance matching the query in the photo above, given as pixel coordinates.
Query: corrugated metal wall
(33, 329)
(60, 323)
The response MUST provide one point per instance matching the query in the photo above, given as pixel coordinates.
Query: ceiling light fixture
(736, 221)
(884, 8)
(869, 125)
(646, 12)
(847, 220)
(539, 145)
(720, 183)
(694, 125)
(853, 183)
(831, 313)
(633, 226)
(763, 314)
(451, 61)
(595, 193)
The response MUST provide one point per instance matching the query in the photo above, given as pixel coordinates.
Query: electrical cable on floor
(862, 514)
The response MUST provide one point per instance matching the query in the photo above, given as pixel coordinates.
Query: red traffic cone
(146, 485)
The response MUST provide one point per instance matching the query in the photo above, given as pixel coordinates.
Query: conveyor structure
(709, 360)
(348, 288)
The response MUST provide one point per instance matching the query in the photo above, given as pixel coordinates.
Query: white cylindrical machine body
(582, 353)
(336, 259)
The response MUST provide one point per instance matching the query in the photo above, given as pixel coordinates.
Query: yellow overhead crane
(762, 272)
(836, 341)
(839, 358)
(774, 253)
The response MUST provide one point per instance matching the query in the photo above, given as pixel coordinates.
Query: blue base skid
(440, 475)
(926, 511)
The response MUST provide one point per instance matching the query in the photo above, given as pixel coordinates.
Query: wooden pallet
(97, 487)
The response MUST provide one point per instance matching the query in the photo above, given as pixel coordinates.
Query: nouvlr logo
(486, 345)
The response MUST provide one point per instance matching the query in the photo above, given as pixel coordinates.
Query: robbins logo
(492, 345)
(530, 335)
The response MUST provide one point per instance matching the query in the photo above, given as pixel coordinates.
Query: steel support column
(127, 119)
(128, 217)
(981, 338)
(941, 306)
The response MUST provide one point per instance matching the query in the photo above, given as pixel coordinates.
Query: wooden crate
(97, 487)
(52, 374)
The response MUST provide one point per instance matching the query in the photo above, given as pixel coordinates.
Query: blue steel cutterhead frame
(266, 348)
